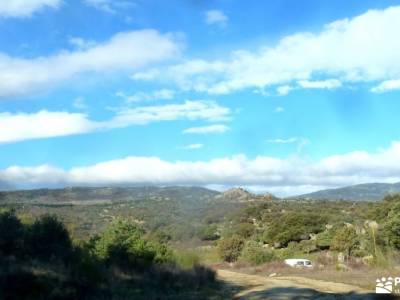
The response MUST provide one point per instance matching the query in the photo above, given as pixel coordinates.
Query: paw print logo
(384, 285)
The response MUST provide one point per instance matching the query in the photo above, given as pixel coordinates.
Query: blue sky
(280, 96)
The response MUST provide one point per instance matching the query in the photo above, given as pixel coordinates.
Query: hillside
(177, 211)
(359, 192)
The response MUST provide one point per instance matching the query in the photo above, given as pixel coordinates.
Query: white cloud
(215, 17)
(217, 128)
(386, 86)
(24, 8)
(193, 146)
(357, 50)
(283, 141)
(110, 6)
(284, 90)
(45, 124)
(280, 175)
(320, 84)
(81, 43)
(135, 49)
(299, 141)
(163, 94)
(279, 109)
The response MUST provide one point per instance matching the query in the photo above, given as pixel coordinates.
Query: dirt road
(289, 288)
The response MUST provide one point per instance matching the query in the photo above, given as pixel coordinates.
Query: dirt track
(289, 288)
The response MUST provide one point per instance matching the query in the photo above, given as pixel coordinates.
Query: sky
(284, 96)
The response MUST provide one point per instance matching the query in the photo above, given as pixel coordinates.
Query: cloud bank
(283, 176)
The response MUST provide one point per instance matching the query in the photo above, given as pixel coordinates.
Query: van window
(300, 263)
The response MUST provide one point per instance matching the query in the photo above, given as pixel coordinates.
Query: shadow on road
(290, 293)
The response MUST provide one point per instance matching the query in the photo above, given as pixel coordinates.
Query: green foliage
(255, 254)
(308, 246)
(105, 267)
(11, 233)
(324, 239)
(47, 238)
(294, 226)
(208, 233)
(392, 230)
(345, 240)
(123, 244)
(229, 249)
(187, 259)
(244, 230)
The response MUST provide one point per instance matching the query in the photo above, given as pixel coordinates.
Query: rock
(272, 275)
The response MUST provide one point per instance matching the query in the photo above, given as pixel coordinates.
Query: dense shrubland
(366, 232)
(39, 260)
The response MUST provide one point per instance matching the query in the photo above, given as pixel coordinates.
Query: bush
(208, 233)
(11, 233)
(244, 230)
(392, 231)
(187, 259)
(47, 238)
(229, 249)
(256, 254)
(123, 244)
(294, 226)
(324, 239)
(345, 240)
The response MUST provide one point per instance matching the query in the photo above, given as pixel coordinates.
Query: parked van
(299, 263)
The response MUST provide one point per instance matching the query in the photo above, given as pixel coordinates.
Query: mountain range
(359, 192)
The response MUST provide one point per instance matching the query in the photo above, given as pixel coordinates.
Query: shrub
(11, 233)
(208, 233)
(48, 238)
(345, 240)
(294, 226)
(244, 230)
(229, 249)
(308, 246)
(123, 244)
(392, 231)
(256, 254)
(187, 259)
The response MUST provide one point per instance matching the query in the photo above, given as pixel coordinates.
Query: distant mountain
(178, 211)
(100, 195)
(359, 192)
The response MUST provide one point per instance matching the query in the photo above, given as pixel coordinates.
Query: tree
(230, 249)
(48, 238)
(11, 233)
(392, 231)
(256, 254)
(123, 244)
(294, 226)
(208, 233)
(345, 240)
(244, 230)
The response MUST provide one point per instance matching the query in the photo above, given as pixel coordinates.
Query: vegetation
(40, 261)
(138, 246)
(230, 249)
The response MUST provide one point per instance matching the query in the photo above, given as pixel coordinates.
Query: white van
(299, 263)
